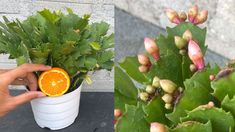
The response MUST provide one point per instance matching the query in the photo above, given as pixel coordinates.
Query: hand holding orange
(54, 82)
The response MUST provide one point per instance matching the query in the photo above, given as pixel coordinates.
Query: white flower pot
(57, 112)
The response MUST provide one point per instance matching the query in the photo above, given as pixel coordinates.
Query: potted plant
(67, 41)
(170, 88)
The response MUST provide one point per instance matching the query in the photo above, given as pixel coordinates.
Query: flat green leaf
(90, 62)
(124, 84)
(224, 86)
(192, 126)
(95, 45)
(220, 120)
(197, 92)
(121, 100)
(229, 104)
(133, 120)
(155, 111)
(131, 66)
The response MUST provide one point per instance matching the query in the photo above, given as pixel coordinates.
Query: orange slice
(54, 82)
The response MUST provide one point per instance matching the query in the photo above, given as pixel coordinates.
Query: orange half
(54, 82)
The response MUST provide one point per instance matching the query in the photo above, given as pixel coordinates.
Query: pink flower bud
(201, 17)
(192, 13)
(182, 16)
(143, 68)
(143, 60)
(117, 113)
(173, 16)
(157, 127)
(152, 48)
(212, 77)
(195, 54)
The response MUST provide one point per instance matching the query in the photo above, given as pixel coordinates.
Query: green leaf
(95, 45)
(47, 14)
(198, 86)
(224, 86)
(168, 67)
(198, 33)
(121, 100)
(133, 120)
(220, 120)
(155, 111)
(90, 62)
(105, 56)
(124, 85)
(130, 65)
(192, 126)
(69, 10)
(108, 41)
(229, 104)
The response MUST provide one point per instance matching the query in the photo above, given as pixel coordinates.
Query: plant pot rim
(58, 99)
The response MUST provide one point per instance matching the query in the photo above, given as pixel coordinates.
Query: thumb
(26, 97)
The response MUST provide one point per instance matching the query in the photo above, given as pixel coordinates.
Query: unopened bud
(143, 60)
(195, 54)
(143, 68)
(180, 42)
(77, 31)
(152, 48)
(156, 82)
(180, 89)
(183, 52)
(167, 98)
(168, 106)
(193, 68)
(157, 127)
(212, 77)
(150, 89)
(117, 113)
(144, 96)
(201, 17)
(210, 104)
(192, 13)
(182, 16)
(168, 86)
(173, 16)
(187, 35)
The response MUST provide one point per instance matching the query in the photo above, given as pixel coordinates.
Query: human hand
(21, 75)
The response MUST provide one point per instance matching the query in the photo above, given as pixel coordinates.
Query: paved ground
(96, 115)
(130, 32)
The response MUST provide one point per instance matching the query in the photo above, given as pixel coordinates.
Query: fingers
(26, 97)
(32, 81)
(22, 70)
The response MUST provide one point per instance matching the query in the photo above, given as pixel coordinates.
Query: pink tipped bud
(143, 68)
(151, 48)
(187, 35)
(173, 16)
(195, 54)
(192, 13)
(157, 127)
(117, 113)
(144, 60)
(201, 17)
(210, 104)
(182, 16)
(212, 77)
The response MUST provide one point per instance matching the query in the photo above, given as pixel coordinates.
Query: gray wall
(221, 23)
(101, 10)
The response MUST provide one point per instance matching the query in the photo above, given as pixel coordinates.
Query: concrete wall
(101, 10)
(221, 22)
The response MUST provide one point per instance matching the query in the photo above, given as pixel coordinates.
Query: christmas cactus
(170, 88)
(60, 40)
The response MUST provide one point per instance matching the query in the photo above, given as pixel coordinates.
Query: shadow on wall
(130, 32)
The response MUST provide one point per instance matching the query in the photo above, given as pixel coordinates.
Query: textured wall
(221, 23)
(101, 10)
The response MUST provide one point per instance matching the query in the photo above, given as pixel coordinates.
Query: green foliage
(133, 120)
(60, 40)
(190, 113)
